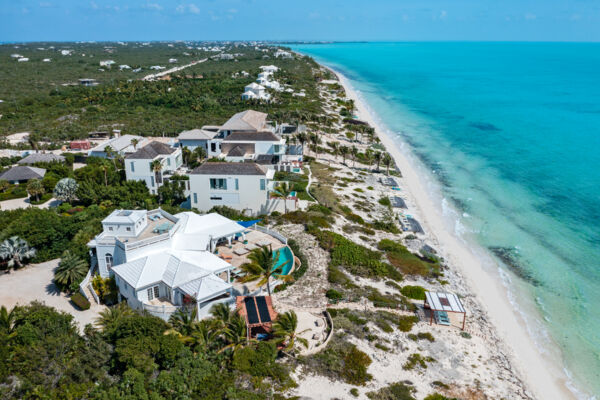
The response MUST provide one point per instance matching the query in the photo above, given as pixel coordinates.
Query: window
(195, 198)
(276, 148)
(109, 261)
(213, 147)
(218, 184)
(263, 184)
(153, 292)
(168, 161)
(237, 184)
(152, 181)
(150, 166)
(132, 166)
(216, 198)
(110, 228)
(128, 229)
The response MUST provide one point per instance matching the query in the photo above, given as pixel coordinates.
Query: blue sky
(553, 20)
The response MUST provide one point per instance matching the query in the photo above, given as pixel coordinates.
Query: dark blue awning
(248, 224)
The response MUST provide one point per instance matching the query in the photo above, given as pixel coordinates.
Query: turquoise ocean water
(512, 133)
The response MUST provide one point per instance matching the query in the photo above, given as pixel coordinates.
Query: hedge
(80, 301)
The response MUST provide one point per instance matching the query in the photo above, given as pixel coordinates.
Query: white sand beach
(543, 377)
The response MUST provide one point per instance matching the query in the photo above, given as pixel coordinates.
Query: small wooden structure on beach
(444, 302)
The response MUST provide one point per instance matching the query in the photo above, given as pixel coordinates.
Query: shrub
(382, 347)
(334, 295)
(385, 201)
(426, 336)
(416, 360)
(413, 292)
(405, 261)
(356, 363)
(80, 301)
(466, 335)
(354, 392)
(406, 322)
(395, 391)
(437, 396)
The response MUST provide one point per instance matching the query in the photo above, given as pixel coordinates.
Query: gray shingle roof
(265, 136)
(236, 151)
(23, 173)
(196, 134)
(151, 151)
(41, 157)
(248, 120)
(222, 168)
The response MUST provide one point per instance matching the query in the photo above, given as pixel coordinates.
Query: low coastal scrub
(416, 360)
(413, 292)
(395, 391)
(407, 262)
(405, 322)
(341, 360)
(356, 259)
(421, 336)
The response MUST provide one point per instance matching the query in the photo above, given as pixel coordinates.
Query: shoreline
(541, 376)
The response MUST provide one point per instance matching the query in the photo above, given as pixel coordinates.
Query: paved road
(13, 204)
(34, 282)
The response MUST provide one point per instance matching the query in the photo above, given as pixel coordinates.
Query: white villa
(245, 186)
(138, 165)
(248, 146)
(283, 54)
(269, 68)
(204, 137)
(163, 262)
(254, 91)
(120, 144)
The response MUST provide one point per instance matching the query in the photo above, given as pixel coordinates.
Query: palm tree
(71, 269)
(377, 157)
(221, 313)
(157, 167)
(284, 330)
(110, 153)
(283, 191)
(354, 153)
(387, 161)
(15, 251)
(186, 153)
(315, 140)
(4, 185)
(235, 334)
(7, 320)
(302, 138)
(110, 316)
(344, 152)
(262, 266)
(184, 321)
(369, 157)
(335, 148)
(35, 188)
(135, 142)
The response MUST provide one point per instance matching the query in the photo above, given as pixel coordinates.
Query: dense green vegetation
(407, 262)
(134, 356)
(205, 93)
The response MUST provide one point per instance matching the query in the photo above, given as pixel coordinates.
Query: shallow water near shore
(511, 131)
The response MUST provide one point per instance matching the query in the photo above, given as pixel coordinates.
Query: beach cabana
(443, 303)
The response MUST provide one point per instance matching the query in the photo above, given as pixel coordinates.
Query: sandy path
(543, 377)
(170, 71)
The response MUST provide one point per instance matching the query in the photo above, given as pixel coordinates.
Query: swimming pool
(285, 255)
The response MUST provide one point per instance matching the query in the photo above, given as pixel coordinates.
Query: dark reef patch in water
(485, 126)
(459, 204)
(510, 258)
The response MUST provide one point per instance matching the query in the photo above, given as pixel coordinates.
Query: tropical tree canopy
(35, 188)
(262, 266)
(284, 331)
(15, 251)
(66, 190)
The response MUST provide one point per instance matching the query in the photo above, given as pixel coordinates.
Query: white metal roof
(213, 225)
(441, 301)
(196, 134)
(124, 216)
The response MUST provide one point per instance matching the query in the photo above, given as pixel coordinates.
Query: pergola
(257, 311)
(444, 302)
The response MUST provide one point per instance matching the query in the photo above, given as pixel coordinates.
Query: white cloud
(530, 16)
(187, 8)
(153, 6)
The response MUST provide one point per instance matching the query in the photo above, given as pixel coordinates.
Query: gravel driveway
(34, 282)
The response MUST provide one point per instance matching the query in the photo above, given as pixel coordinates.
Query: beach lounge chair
(251, 247)
(226, 257)
(240, 252)
(264, 243)
(441, 318)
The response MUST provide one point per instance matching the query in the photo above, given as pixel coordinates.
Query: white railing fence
(276, 235)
